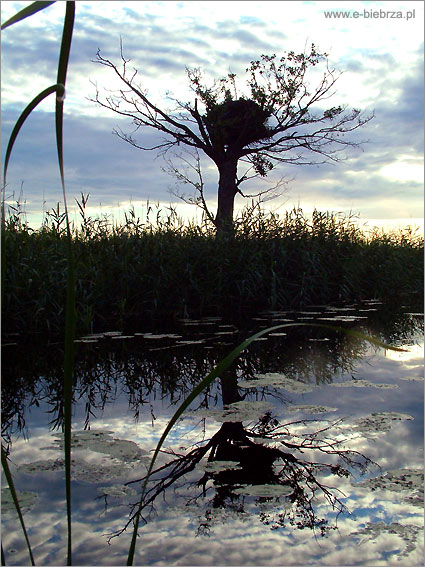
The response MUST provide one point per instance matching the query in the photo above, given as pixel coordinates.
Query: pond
(307, 451)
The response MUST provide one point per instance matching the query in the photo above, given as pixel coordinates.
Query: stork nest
(237, 123)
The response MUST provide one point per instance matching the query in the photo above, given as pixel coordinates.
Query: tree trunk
(227, 190)
(229, 386)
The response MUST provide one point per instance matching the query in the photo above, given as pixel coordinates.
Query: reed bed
(161, 269)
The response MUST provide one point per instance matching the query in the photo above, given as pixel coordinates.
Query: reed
(70, 316)
(160, 269)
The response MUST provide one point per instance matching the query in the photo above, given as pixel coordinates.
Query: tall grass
(159, 269)
(70, 317)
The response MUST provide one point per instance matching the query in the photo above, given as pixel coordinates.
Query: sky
(379, 54)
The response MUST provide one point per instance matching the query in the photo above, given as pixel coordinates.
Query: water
(309, 451)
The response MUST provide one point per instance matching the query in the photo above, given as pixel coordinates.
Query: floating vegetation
(194, 342)
(103, 442)
(151, 336)
(408, 482)
(117, 491)
(363, 384)
(41, 466)
(264, 490)
(225, 332)
(26, 501)
(412, 378)
(342, 318)
(310, 409)
(378, 422)
(219, 466)
(407, 533)
(80, 469)
(238, 411)
(310, 313)
(277, 380)
(93, 337)
(190, 322)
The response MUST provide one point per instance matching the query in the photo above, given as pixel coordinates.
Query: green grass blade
(9, 479)
(70, 314)
(19, 123)
(216, 372)
(2, 245)
(61, 79)
(70, 295)
(25, 12)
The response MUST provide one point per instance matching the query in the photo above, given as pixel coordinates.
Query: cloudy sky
(381, 60)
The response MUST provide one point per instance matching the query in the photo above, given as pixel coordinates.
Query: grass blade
(9, 479)
(70, 316)
(68, 28)
(59, 89)
(216, 372)
(25, 12)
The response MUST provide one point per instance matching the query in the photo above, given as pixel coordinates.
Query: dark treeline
(139, 272)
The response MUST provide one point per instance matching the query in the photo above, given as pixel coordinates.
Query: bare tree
(240, 455)
(277, 122)
(188, 172)
(235, 457)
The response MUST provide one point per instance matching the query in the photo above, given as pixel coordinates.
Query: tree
(239, 459)
(278, 121)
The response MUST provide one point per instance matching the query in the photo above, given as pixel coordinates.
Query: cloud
(162, 39)
(96, 161)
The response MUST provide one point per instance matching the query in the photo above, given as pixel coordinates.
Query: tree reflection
(284, 471)
(285, 464)
(144, 372)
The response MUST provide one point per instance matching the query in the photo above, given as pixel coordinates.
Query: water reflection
(244, 453)
(268, 461)
(147, 367)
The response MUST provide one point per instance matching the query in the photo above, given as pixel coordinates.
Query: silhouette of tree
(278, 121)
(238, 458)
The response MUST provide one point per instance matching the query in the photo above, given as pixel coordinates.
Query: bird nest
(237, 123)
